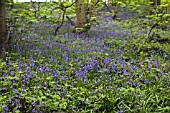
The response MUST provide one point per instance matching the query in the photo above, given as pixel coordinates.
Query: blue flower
(4, 75)
(100, 90)
(32, 64)
(146, 81)
(118, 89)
(11, 73)
(107, 60)
(157, 63)
(130, 76)
(55, 74)
(119, 111)
(125, 72)
(5, 108)
(33, 103)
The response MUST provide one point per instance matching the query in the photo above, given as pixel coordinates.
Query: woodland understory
(118, 62)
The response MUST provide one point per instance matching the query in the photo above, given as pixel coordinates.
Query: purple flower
(107, 60)
(55, 88)
(41, 103)
(140, 95)
(55, 74)
(100, 90)
(125, 72)
(5, 108)
(3, 89)
(4, 75)
(62, 77)
(137, 84)
(72, 107)
(15, 91)
(118, 89)
(33, 103)
(29, 75)
(157, 63)
(11, 73)
(146, 81)
(80, 73)
(156, 78)
(130, 76)
(32, 64)
(33, 110)
(119, 111)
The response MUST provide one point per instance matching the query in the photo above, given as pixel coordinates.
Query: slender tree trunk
(155, 2)
(31, 4)
(167, 9)
(158, 2)
(81, 19)
(93, 8)
(3, 29)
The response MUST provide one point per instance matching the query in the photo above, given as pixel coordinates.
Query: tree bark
(3, 28)
(31, 4)
(155, 2)
(81, 19)
(93, 8)
(158, 2)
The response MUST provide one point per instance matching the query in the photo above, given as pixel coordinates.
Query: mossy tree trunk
(81, 19)
(3, 28)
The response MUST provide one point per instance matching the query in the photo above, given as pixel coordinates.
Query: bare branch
(56, 30)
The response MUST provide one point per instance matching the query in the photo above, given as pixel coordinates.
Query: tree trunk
(155, 2)
(3, 29)
(31, 4)
(81, 19)
(93, 8)
(158, 2)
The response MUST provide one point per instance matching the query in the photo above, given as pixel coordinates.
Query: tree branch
(56, 30)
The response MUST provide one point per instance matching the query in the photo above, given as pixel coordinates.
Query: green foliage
(113, 68)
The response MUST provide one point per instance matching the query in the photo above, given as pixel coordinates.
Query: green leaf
(80, 98)
(56, 97)
(49, 78)
(63, 105)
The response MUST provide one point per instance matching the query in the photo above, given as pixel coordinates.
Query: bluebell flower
(33, 110)
(125, 72)
(29, 75)
(33, 103)
(100, 90)
(118, 89)
(121, 111)
(146, 81)
(11, 73)
(157, 63)
(137, 84)
(32, 64)
(140, 95)
(5, 108)
(73, 107)
(15, 91)
(4, 75)
(156, 78)
(55, 74)
(55, 87)
(130, 76)
(62, 77)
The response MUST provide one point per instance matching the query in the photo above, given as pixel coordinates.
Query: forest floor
(114, 68)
